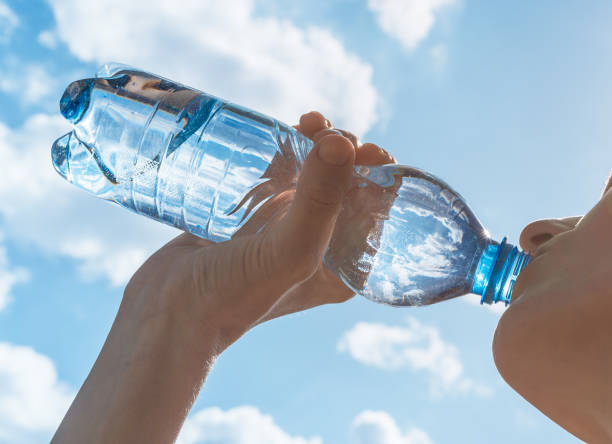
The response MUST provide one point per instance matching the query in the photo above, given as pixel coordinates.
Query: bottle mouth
(75, 100)
(499, 267)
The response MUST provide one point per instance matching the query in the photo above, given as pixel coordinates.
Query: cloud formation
(48, 39)
(239, 425)
(265, 63)
(9, 277)
(30, 82)
(378, 427)
(417, 347)
(32, 398)
(408, 21)
(8, 22)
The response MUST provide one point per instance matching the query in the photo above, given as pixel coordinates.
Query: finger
(313, 122)
(324, 179)
(350, 136)
(324, 132)
(324, 287)
(371, 154)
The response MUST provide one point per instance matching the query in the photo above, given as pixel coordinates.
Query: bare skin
(553, 343)
(193, 298)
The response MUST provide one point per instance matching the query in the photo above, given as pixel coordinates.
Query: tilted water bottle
(212, 168)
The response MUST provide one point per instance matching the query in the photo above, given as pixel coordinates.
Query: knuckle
(312, 116)
(322, 134)
(306, 265)
(352, 137)
(369, 146)
(286, 256)
(325, 195)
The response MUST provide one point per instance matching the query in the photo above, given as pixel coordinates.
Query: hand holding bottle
(194, 297)
(271, 267)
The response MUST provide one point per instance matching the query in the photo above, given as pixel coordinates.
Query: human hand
(229, 287)
(552, 344)
(193, 298)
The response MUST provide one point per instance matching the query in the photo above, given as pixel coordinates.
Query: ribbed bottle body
(178, 155)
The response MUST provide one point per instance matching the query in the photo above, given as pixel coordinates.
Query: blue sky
(509, 102)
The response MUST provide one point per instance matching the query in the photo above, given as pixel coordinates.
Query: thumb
(323, 181)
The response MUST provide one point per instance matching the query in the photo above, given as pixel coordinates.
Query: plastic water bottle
(212, 168)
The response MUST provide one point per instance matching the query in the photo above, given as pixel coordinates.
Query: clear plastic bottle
(212, 168)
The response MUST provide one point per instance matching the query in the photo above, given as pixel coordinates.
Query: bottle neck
(497, 271)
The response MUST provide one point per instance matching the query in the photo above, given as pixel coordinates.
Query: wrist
(144, 381)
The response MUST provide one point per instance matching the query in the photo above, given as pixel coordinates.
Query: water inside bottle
(411, 241)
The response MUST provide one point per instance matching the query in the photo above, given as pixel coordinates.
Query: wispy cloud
(409, 21)
(32, 398)
(240, 425)
(439, 56)
(48, 39)
(30, 82)
(9, 277)
(8, 22)
(248, 425)
(268, 64)
(417, 346)
(378, 427)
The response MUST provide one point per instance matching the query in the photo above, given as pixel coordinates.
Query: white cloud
(439, 56)
(48, 39)
(8, 22)
(417, 346)
(409, 21)
(240, 425)
(30, 83)
(32, 399)
(42, 209)
(118, 265)
(268, 64)
(9, 277)
(378, 427)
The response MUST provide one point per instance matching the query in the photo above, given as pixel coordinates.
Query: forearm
(143, 383)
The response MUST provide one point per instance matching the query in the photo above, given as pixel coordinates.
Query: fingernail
(333, 153)
(328, 123)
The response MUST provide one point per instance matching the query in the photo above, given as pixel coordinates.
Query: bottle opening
(499, 267)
